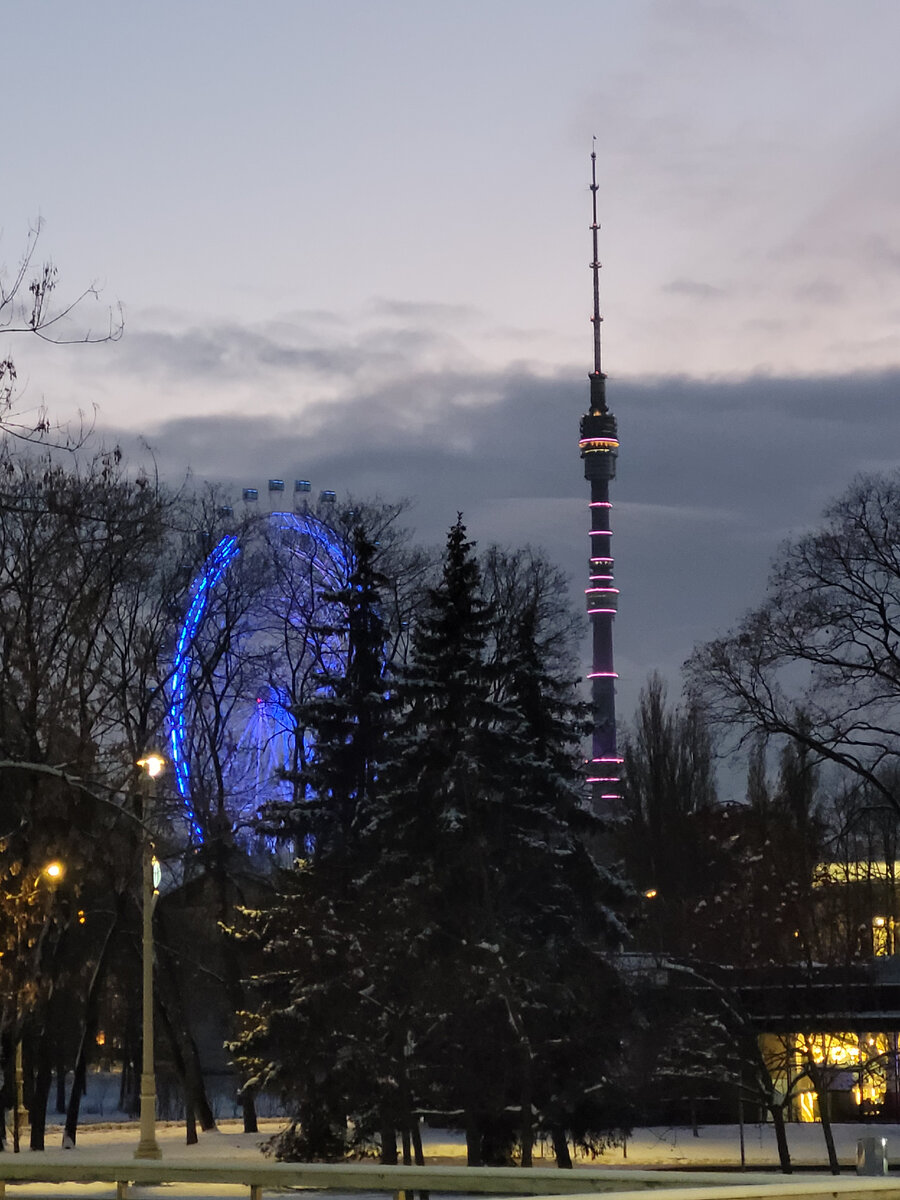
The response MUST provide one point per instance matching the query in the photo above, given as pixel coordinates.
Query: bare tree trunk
(40, 1095)
(195, 1100)
(184, 1048)
(417, 1143)
(561, 1148)
(784, 1154)
(88, 1033)
(473, 1140)
(248, 1107)
(388, 1144)
(819, 1082)
(234, 988)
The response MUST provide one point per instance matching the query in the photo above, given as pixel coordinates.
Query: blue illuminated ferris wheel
(234, 681)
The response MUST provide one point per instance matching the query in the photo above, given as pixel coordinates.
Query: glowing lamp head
(152, 764)
(54, 871)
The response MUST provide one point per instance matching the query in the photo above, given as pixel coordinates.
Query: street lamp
(148, 1147)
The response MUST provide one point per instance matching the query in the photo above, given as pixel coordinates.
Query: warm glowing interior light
(864, 871)
(878, 922)
(152, 764)
(650, 894)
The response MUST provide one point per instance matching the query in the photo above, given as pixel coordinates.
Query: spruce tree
(483, 841)
(429, 838)
(445, 942)
(311, 1041)
(559, 910)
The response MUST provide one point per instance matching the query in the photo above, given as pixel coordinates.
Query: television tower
(599, 446)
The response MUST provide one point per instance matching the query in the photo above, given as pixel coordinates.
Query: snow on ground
(717, 1145)
(720, 1146)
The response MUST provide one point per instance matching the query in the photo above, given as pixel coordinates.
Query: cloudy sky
(351, 241)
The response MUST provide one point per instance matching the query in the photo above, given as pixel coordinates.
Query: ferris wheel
(232, 729)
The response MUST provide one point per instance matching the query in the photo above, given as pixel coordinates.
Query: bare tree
(29, 305)
(76, 534)
(819, 660)
(668, 818)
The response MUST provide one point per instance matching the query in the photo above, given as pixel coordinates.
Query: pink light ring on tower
(603, 675)
(594, 445)
(606, 759)
(605, 597)
(600, 504)
(601, 533)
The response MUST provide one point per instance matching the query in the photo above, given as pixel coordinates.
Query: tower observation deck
(599, 445)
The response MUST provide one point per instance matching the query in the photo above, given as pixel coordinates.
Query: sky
(351, 243)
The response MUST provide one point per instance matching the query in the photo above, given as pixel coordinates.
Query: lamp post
(151, 765)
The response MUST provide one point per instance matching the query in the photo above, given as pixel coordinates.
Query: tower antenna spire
(597, 378)
(596, 319)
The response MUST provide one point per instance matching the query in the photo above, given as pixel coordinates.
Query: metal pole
(148, 1146)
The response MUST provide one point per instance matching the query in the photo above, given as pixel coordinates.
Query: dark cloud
(712, 476)
(224, 352)
(230, 351)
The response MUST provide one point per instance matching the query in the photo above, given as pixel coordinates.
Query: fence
(541, 1182)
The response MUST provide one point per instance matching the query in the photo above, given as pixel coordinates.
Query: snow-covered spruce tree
(311, 1040)
(485, 877)
(557, 906)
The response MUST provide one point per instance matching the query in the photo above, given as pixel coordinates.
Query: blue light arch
(326, 556)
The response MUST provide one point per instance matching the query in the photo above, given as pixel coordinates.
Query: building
(599, 447)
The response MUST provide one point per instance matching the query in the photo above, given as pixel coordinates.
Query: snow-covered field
(717, 1145)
